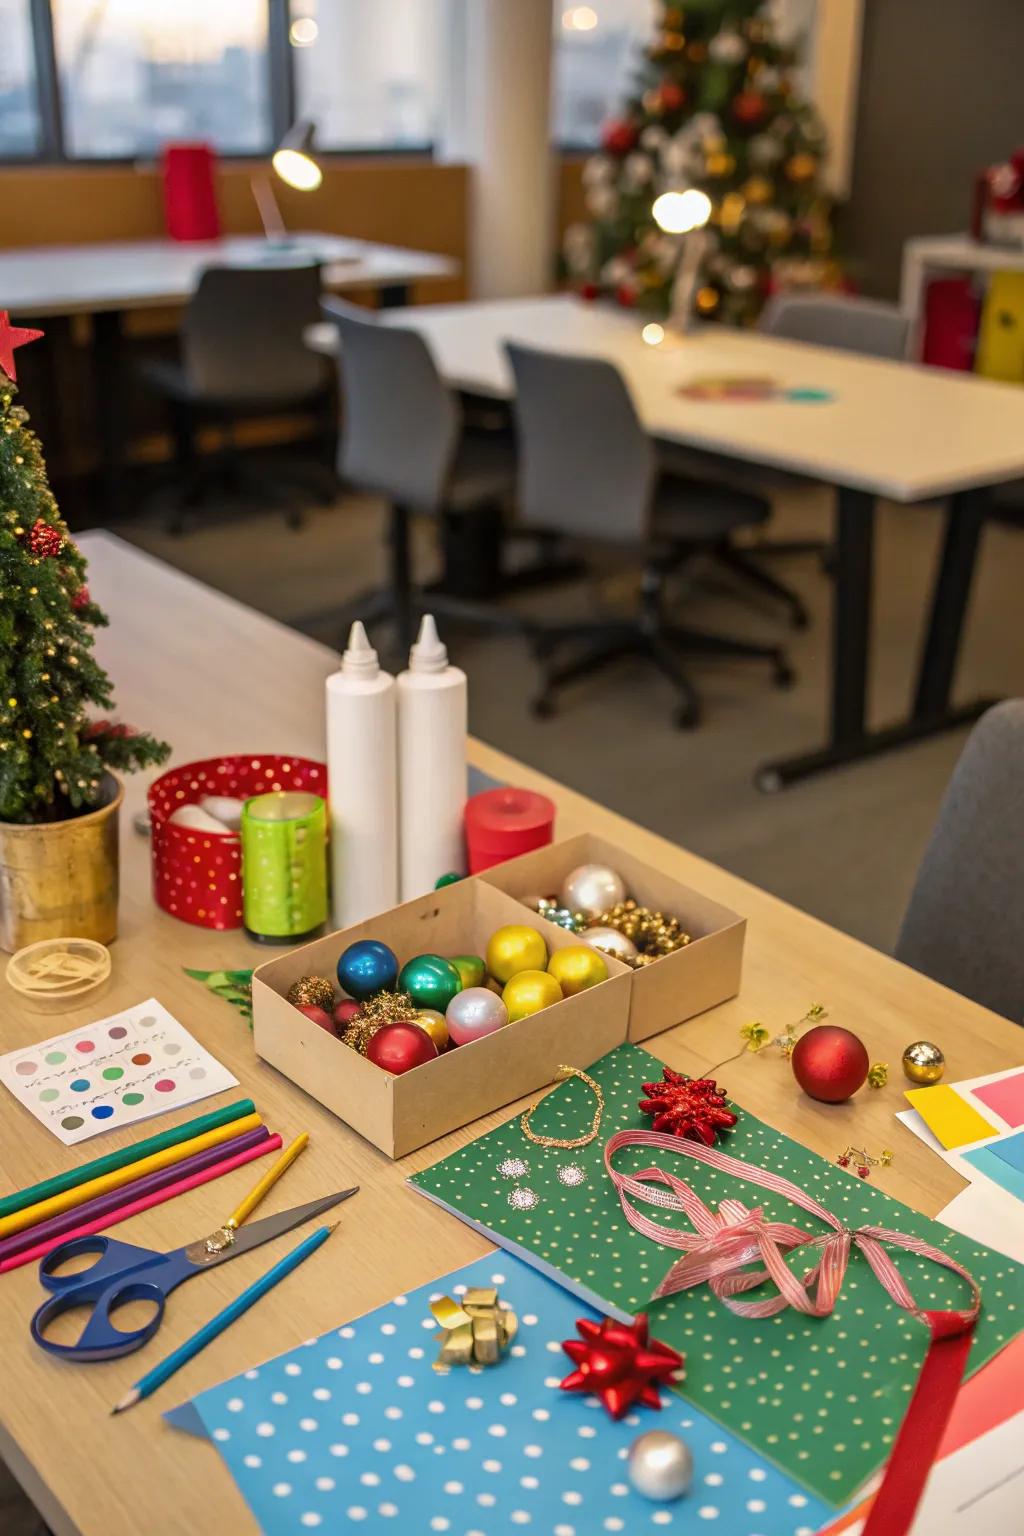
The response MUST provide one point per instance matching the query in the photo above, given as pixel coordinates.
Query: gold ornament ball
(515, 948)
(923, 1062)
(719, 164)
(801, 167)
(707, 300)
(528, 992)
(433, 1022)
(471, 968)
(312, 992)
(758, 190)
(577, 967)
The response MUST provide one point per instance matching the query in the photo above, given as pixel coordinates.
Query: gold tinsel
(312, 992)
(653, 933)
(383, 1008)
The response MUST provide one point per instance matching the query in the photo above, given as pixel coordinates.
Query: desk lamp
(685, 215)
(293, 162)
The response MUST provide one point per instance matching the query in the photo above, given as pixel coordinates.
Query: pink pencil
(134, 1207)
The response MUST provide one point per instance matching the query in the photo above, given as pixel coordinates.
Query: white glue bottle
(431, 765)
(362, 769)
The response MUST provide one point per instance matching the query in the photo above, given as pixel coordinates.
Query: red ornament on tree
(749, 108)
(81, 599)
(400, 1047)
(830, 1063)
(589, 291)
(619, 136)
(672, 96)
(625, 296)
(685, 1106)
(619, 1364)
(44, 541)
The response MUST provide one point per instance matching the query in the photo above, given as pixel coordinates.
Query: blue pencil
(216, 1326)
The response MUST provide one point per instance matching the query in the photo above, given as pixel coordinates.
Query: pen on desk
(216, 1326)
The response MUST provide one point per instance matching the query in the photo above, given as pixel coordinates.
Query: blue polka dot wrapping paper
(356, 1431)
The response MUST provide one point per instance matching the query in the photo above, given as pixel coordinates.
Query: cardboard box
(399, 1114)
(678, 986)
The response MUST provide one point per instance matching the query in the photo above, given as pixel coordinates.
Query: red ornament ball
(345, 1012)
(81, 599)
(589, 291)
(625, 295)
(318, 1015)
(672, 96)
(44, 541)
(400, 1047)
(830, 1063)
(619, 136)
(749, 108)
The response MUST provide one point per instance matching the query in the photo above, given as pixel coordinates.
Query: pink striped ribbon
(724, 1242)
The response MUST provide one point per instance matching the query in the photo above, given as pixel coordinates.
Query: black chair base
(744, 563)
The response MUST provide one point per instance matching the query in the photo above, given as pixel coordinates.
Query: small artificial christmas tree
(714, 109)
(52, 758)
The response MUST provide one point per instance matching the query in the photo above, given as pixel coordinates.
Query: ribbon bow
(725, 1242)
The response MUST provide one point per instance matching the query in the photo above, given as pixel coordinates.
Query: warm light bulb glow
(303, 32)
(298, 170)
(679, 212)
(653, 333)
(579, 18)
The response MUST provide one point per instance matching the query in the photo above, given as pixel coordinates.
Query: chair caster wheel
(768, 781)
(799, 618)
(686, 717)
(785, 676)
(294, 521)
(542, 708)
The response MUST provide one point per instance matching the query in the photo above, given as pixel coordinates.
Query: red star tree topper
(12, 337)
(620, 1364)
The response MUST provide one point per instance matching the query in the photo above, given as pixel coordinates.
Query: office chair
(588, 469)
(964, 923)
(403, 438)
(243, 354)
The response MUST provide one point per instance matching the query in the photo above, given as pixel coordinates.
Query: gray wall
(941, 95)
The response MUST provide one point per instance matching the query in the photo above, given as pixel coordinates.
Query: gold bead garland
(652, 932)
(561, 1076)
(383, 1008)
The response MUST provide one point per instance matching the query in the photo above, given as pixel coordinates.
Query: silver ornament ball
(592, 888)
(660, 1465)
(611, 941)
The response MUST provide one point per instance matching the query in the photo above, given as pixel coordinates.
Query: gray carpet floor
(844, 846)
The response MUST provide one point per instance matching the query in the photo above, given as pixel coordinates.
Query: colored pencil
(32, 1215)
(135, 1207)
(35, 1193)
(268, 1181)
(68, 1220)
(216, 1326)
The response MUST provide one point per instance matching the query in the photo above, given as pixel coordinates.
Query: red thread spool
(503, 823)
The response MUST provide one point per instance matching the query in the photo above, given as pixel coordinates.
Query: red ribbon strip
(724, 1242)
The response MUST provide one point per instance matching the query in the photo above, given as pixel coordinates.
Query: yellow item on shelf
(1000, 353)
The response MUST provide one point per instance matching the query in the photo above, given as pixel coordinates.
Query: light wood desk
(215, 677)
(889, 429)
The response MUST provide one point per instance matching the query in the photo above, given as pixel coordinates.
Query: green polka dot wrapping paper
(821, 1397)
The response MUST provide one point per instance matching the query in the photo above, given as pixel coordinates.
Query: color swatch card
(820, 1397)
(1005, 1096)
(949, 1116)
(355, 1431)
(113, 1073)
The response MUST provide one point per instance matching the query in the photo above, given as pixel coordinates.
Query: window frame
(281, 96)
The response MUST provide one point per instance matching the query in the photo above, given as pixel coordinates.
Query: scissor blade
(254, 1233)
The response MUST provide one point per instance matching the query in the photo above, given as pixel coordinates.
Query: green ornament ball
(430, 980)
(449, 879)
(471, 969)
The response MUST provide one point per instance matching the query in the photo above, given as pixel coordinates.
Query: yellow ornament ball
(801, 167)
(515, 948)
(433, 1022)
(528, 992)
(758, 190)
(577, 967)
(720, 164)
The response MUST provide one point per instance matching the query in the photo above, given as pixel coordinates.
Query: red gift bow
(725, 1242)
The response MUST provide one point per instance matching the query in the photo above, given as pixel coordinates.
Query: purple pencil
(150, 1183)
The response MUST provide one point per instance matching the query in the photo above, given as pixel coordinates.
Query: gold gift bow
(476, 1331)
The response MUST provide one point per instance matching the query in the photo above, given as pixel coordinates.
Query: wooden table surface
(213, 676)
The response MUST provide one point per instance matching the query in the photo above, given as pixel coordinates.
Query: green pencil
(114, 1160)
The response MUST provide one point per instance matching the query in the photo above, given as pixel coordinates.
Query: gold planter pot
(58, 879)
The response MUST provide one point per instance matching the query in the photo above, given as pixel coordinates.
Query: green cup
(284, 866)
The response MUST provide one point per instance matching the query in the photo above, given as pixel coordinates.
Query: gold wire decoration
(561, 1076)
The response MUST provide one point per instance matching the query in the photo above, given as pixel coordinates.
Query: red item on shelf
(197, 876)
(951, 316)
(503, 823)
(190, 194)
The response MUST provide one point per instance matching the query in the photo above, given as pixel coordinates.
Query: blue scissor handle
(122, 1273)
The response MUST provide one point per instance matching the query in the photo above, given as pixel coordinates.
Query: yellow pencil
(267, 1182)
(69, 1198)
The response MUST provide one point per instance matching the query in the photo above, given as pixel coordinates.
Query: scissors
(123, 1272)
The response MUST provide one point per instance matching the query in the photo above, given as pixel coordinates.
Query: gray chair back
(243, 334)
(964, 923)
(586, 465)
(849, 324)
(400, 424)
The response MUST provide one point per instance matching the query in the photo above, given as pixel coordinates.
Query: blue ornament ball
(366, 967)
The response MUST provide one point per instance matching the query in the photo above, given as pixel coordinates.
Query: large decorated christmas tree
(713, 108)
(52, 754)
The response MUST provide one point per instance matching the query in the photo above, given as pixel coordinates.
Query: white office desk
(37, 281)
(889, 429)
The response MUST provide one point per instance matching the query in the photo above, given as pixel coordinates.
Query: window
(19, 115)
(135, 73)
(367, 72)
(596, 52)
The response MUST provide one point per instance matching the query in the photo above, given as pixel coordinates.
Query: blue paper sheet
(997, 1167)
(355, 1431)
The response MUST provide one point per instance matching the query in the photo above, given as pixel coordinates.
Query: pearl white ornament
(660, 1465)
(611, 941)
(592, 889)
(727, 47)
(638, 170)
(601, 201)
(473, 1013)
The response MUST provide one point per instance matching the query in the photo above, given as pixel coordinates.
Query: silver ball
(660, 1465)
(611, 941)
(592, 888)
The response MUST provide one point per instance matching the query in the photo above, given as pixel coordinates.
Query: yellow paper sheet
(951, 1118)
